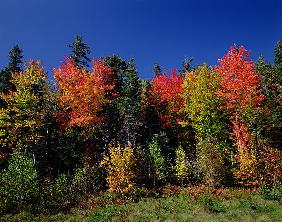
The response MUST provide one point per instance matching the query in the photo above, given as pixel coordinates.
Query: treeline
(102, 128)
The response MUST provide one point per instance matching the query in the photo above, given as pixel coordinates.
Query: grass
(185, 205)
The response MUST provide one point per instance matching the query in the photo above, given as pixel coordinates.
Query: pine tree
(271, 83)
(278, 61)
(15, 59)
(157, 69)
(15, 65)
(80, 52)
(112, 124)
(131, 104)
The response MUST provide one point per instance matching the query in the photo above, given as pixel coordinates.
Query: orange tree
(82, 93)
(240, 89)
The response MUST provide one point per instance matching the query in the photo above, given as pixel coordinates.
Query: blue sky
(163, 31)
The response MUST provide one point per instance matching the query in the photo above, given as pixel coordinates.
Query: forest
(96, 127)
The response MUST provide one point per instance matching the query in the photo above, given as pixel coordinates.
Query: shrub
(18, 185)
(88, 179)
(211, 161)
(119, 166)
(270, 165)
(181, 166)
(56, 195)
(272, 193)
(158, 168)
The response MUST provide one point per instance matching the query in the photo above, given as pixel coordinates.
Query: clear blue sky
(163, 31)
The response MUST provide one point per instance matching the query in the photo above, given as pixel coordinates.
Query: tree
(240, 88)
(18, 185)
(181, 165)
(201, 103)
(202, 113)
(278, 60)
(15, 59)
(119, 165)
(131, 104)
(158, 167)
(270, 121)
(22, 120)
(112, 116)
(80, 52)
(82, 93)
(15, 62)
(167, 92)
(157, 70)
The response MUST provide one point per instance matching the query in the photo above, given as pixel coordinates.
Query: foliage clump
(119, 165)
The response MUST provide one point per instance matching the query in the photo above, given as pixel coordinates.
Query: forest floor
(174, 204)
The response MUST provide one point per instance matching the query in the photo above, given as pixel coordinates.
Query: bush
(181, 165)
(158, 168)
(270, 165)
(88, 179)
(272, 193)
(119, 165)
(211, 162)
(18, 185)
(56, 195)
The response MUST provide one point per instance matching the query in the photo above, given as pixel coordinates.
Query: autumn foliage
(217, 125)
(82, 92)
(240, 84)
(167, 91)
(240, 88)
(119, 164)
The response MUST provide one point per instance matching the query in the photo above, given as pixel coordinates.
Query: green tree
(80, 52)
(15, 65)
(201, 103)
(181, 165)
(201, 109)
(158, 168)
(271, 82)
(278, 60)
(157, 69)
(23, 119)
(15, 59)
(112, 124)
(18, 185)
(131, 104)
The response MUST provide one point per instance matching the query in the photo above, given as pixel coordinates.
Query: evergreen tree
(131, 104)
(278, 61)
(80, 52)
(112, 123)
(157, 69)
(15, 65)
(271, 83)
(15, 59)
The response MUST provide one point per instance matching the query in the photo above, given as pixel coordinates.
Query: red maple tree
(167, 91)
(82, 92)
(239, 80)
(240, 89)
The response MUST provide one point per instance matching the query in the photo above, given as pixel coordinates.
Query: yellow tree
(201, 109)
(119, 165)
(23, 117)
